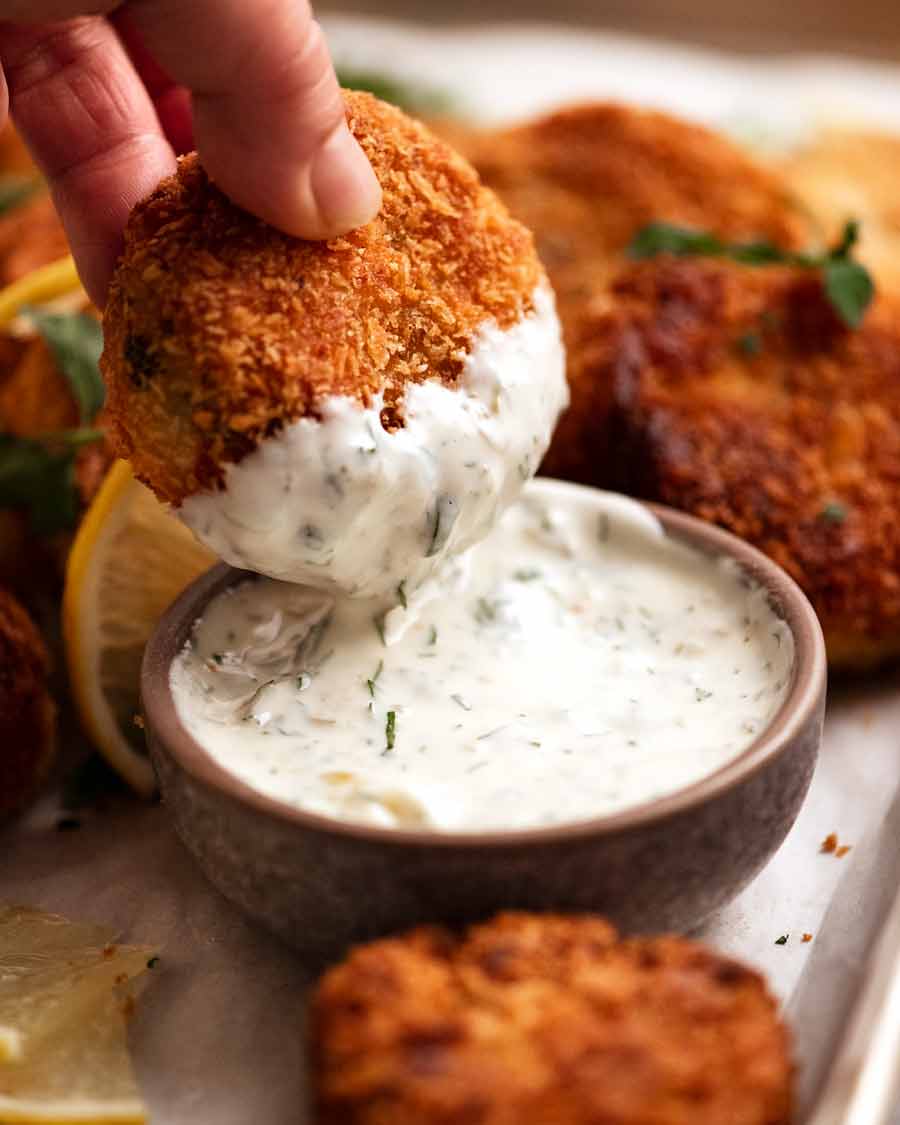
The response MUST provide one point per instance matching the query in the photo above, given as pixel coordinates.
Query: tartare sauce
(339, 503)
(574, 663)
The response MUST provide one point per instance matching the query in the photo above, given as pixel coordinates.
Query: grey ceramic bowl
(667, 864)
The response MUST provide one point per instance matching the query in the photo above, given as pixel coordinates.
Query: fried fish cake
(27, 711)
(345, 414)
(738, 395)
(549, 1019)
(586, 179)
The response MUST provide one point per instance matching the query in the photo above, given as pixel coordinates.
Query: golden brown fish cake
(219, 329)
(546, 1019)
(586, 179)
(846, 174)
(737, 395)
(27, 712)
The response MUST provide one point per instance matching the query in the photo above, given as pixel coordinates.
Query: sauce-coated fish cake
(546, 1020)
(337, 412)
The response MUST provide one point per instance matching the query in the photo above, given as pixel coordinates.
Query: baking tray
(218, 1035)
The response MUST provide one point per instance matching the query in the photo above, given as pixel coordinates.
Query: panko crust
(737, 395)
(27, 711)
(550, 1019)
(220, 328)
(587, 178)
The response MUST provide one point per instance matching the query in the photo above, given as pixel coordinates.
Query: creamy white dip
(574, 663)
(339, 503)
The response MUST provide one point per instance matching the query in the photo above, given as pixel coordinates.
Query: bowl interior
(798, 706)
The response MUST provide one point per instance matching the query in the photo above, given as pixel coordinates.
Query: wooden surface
(863, 27)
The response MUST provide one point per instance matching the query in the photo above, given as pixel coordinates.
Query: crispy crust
(546, 1019)
(27, 712)
(219, 328)
(737, 395)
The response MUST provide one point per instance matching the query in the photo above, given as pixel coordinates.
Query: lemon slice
(44, 284)
(63, 998)
(129, 560)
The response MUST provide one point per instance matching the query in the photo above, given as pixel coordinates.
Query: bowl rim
(808, 681)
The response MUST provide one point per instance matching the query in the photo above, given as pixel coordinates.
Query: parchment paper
(218, 1034)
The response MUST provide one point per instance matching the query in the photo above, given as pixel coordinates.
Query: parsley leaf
(847, 283)
(38, 475)
(76, 341)
(15, 190)
(412, 96)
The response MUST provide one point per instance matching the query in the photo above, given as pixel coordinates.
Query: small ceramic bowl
(665, 865)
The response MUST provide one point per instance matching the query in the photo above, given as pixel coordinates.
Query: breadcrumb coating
(546, 1019)
(27, 712)
(220, 329)
(737, 395)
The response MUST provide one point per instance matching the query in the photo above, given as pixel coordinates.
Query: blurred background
(860, 27)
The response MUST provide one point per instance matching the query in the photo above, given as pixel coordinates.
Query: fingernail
(344, 187)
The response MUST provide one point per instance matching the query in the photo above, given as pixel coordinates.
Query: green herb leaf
(850, 289)
(76, 341)
(412, 96)
(15, 190)
(38, 481)
(749, 344)
(390, 730)
(783, 940)
(665, 238)
(432, 635)
(153, 962)
(833, 512)
(401, 594)
(847, 283)
(378, 622)
(370, 684)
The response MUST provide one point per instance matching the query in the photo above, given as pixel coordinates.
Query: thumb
(268, 114)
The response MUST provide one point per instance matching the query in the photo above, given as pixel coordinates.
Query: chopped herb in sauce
(486, 610)
(378, 622)
(783, 940)
(370, 684)
(432, 635)
(458, 699)
(527, 574)
(401, 594)
(390, 731)
(153, 962)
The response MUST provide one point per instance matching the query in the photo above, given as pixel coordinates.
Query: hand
(106, 93)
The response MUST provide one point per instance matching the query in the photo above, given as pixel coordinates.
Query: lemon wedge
(63, 999)
(43, 284)
(130, 558)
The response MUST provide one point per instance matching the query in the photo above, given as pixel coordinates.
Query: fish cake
(550, 1019)
(27, 711)
(586, 179)
(737, 394)
(230, 345)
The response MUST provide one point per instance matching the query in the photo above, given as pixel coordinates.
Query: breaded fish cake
(285, 393)
(739, 396)
(586, 179)
(547, 1020)
(27, 711)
